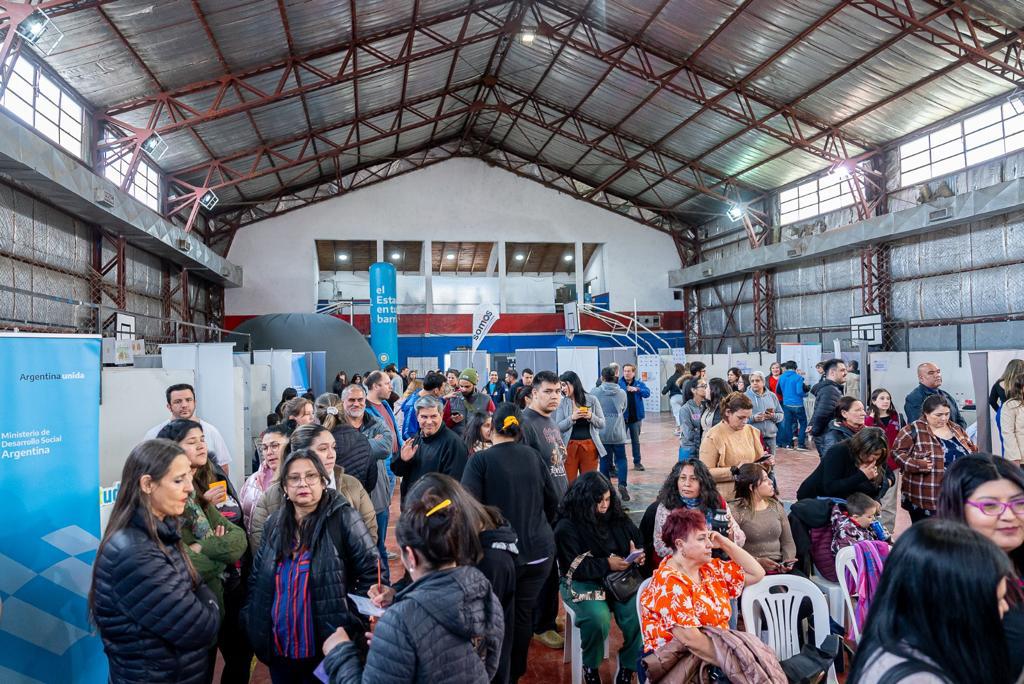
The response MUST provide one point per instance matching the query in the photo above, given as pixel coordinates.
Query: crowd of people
(512, 499)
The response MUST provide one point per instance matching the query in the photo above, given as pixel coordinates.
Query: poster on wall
(678, 355)
(49, 481)
(648, 369)
(805, 355)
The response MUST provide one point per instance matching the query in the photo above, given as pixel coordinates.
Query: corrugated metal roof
(677, 77)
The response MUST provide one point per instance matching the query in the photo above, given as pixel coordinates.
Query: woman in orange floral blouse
(690, 589)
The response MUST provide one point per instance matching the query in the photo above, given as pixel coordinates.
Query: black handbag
(621, 585)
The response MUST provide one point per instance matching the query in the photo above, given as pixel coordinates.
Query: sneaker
(639, 467)
(591, 675)
(624, 676)
(551, 639)
(623, 493)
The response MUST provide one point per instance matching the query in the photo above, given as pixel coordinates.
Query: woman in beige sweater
(732, 442)
(762, 517)
(1011, 421)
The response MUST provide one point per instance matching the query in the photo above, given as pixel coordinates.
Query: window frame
(39, 99)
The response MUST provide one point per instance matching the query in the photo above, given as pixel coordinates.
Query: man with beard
(435, 449)
(466, 402)
(181, 402)
(542, 433)
(381, 439)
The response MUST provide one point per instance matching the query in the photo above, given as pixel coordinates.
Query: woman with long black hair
(580, 418)
(594, 537)
(689, 485)
(911, 635)
(315, 551)
(987, 494)
(155, 616)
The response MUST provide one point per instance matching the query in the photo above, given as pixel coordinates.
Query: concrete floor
(659, 454)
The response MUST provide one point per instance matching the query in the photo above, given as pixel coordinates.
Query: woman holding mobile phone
(764, 520)
(580, 418)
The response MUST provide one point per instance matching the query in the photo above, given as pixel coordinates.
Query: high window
(41, 103)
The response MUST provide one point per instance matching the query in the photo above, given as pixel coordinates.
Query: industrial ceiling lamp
(37, 30)
(840, 169)
(567, 257)
(520, 257)
(209, 200)
(735, 212)
(155, 146)
(342, 256)
(1016, 101)
(527, 34)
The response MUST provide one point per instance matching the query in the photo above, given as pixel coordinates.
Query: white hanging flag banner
(483, 318)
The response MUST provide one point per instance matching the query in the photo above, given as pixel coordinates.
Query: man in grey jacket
(614, 435)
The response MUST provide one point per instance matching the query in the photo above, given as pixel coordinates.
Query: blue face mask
(690, 503)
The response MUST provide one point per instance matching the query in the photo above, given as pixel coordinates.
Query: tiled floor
(659, 449)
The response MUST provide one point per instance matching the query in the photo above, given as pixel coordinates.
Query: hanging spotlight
(840, 169)
(209, 200)
(155, 147)
(37, 30)
(1016, 101)
(527, 34)
(735, 212)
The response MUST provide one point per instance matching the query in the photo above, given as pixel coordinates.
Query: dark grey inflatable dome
(347, 349)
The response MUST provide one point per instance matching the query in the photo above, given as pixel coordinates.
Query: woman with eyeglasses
(987, 493)
(690, 429)
(315, 551)
(273, 446)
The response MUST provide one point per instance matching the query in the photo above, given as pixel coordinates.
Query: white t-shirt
(214, 441)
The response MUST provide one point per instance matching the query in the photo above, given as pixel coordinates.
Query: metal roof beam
(740, 106)
(297, 151)
(170, 107)
(966, 40)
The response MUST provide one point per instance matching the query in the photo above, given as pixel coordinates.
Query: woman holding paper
(214, 537)
(315, 550)
(448, 624)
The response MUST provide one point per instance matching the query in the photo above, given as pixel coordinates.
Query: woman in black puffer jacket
(444, 628)
(314, 552)
(156, 620)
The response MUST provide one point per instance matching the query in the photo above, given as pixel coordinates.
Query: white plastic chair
(643, 585)
(781, 614)
(573, 649)
(833, 593)
(846, 562)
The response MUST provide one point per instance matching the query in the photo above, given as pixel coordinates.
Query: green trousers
(594, 619)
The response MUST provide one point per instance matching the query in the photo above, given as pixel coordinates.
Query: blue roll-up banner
(384, 313)
(49, 519)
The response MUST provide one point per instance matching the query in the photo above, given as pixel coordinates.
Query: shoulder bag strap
(596, 595)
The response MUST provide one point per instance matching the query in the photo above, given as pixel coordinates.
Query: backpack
(870, 559)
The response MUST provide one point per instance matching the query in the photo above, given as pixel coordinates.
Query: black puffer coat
(354, 455)
(427, 636)
(332, 576)
(154, 626)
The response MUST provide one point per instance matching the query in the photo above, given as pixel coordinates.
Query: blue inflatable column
(384, 313)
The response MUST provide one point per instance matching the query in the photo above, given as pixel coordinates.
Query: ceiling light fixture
(395, 256)
(209, 200)
(450, 257)
(567, 257)
(527, 34)
(342, 256)
(735, 212)
(37, 30)
(520, 257)
(155, 146)
(840, 169)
